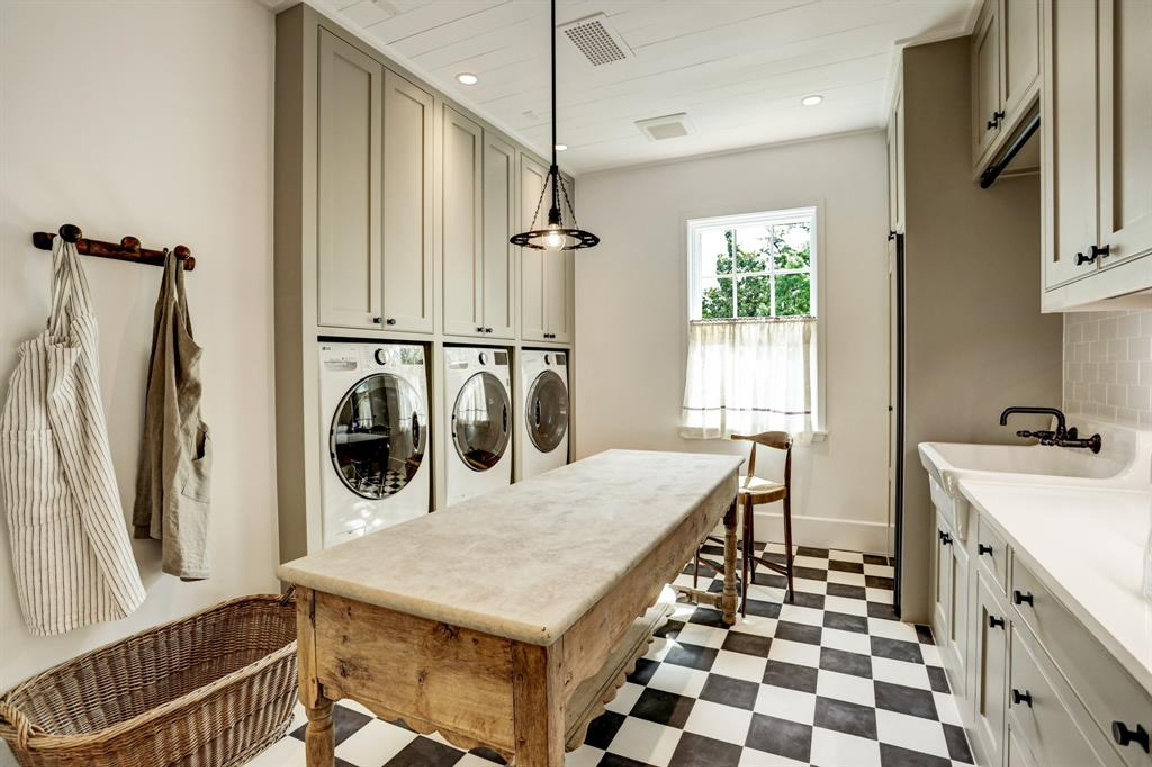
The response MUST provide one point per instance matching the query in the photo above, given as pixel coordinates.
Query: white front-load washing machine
(544, 428)
(374, 437)
(477, 387)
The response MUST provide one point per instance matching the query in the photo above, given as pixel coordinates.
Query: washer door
(480, 424)
(547, 413)
(378, 436)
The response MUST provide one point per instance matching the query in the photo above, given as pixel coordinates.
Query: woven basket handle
(288, 597)
(16, 720)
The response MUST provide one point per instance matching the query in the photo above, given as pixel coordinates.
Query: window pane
(793, 245)
(716, 298)
(754, 296)
(714, 258)
(753, 247)
(793, 294)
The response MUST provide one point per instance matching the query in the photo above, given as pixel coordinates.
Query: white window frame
(695, 224)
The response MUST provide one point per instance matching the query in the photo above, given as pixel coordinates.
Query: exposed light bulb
(553, 240)
(467, 78)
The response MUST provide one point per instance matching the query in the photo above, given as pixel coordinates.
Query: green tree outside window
(772, 280)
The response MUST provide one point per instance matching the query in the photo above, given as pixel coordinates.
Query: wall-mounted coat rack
(128, 249)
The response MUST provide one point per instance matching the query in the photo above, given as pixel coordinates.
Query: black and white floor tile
(832, 679)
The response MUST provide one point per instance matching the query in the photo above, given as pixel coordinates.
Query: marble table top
(526, 561)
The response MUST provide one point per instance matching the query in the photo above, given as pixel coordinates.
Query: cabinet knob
(996, 623)
(480, 329)
(391, 320)
(1125, 737)
(1099, 250)
(376, 320)
(995, 121)
(983, 548)
(946, 538)
(1021, 697)
(1082, 259)
(1023, 597)
(487, 330)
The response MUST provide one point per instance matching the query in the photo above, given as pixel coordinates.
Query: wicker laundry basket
(210, 690)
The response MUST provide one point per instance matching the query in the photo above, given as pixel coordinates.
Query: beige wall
(1108, 366)
(631, 316)
(151, 119)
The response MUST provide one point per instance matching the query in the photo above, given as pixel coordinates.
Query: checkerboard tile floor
(832, 679)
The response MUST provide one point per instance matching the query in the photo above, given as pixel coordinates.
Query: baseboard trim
(825, 533)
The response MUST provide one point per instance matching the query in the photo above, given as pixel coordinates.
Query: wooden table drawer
(992, 552)
(1107, 691)
(1041, 716)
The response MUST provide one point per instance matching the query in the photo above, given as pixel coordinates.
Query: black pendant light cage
(556, 236)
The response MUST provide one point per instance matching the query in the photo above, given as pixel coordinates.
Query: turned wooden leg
(320, 736)
(538, 707)
(788, 555)
(728, 595)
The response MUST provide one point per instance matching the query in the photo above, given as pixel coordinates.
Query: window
(753, 351)
(758, 265)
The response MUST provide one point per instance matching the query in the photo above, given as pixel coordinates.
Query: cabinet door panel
(348, 236)
(532, 318)
(960, 604)
(1125, 127)
(1021, 76)
(991, 661)
(500, 216)
(986, 101)
(463, 258)
(942, 607)
(1069, 140)
(557, 293)
(407, 206)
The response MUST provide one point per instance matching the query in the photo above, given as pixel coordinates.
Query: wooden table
(485, 620)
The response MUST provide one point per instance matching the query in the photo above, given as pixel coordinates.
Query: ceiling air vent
(596, 39)
(665, 126)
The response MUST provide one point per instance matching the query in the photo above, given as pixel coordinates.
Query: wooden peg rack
(128, 249)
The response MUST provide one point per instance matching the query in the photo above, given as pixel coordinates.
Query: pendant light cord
(554, 214)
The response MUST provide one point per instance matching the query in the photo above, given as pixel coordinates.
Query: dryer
(544, 428)
(477, 386)
(374, 438)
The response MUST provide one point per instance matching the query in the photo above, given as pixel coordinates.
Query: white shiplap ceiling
(738, 69)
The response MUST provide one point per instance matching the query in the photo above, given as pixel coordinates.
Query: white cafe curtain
(749, 376)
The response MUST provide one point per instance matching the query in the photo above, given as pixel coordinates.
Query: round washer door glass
(480, 421)
(378, 436)
(547, 413)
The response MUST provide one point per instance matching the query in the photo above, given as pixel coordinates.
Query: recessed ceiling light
(561, 147)
(811, 101)
(467, 78)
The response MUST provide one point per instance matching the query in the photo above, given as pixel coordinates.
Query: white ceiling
(738, 69)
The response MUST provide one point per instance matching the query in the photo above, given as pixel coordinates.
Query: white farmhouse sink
(1124, 460)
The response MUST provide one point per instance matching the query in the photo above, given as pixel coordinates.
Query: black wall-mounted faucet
(1061, 437)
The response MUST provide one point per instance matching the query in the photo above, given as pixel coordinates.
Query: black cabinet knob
(996, 623)
(480, 329)
(984, 548)
(1021, 697)
(1023, 597)
(946, 538)
(487, 330)
(376, 320)
(995, 121)
(391, 320)
(1100, 250)
(1082, 259)
(1126, 737)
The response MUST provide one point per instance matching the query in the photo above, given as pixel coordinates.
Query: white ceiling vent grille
(596, 39)
(665, 127)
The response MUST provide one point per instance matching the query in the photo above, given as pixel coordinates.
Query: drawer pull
(390, 321)
(996, 623)
(1022, 597)
(1082, 259)
(1126, 737)
(984, 548)
(1021, 697)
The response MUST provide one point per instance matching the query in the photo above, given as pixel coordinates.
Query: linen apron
(72, 558)
(172, 480)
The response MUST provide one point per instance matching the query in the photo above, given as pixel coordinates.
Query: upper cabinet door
(462, 227)
(558, 289)
(500, 217)
(532, 319)
(1070, 201)
(896, 164)
(348, 241)
(407, 206)
(1125, 128)
(986, 101)
(1020, 22)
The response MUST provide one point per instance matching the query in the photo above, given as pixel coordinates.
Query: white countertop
(526, 561)
(1088, 547)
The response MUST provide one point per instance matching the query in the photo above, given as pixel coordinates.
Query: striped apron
(71, 555)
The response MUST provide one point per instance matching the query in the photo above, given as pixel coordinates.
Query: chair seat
(761, 490)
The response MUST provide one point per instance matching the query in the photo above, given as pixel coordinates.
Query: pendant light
(556, 236)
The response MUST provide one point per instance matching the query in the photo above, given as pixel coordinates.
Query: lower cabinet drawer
(1041, 717)
(1107, 690)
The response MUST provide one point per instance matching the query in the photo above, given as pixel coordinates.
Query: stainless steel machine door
(480, 421)
(378, 436)
(547, 411)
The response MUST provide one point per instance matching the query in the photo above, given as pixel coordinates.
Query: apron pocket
(197, 480)
(31, 482)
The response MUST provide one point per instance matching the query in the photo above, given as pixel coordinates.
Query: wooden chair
(753, 491)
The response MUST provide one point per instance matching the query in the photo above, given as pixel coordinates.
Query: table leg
(320, 737)
(728, 595)
(538, 707)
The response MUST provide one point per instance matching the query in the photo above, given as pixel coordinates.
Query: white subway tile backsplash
(1108, 366)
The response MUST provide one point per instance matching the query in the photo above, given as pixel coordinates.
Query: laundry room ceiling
(737, 70)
